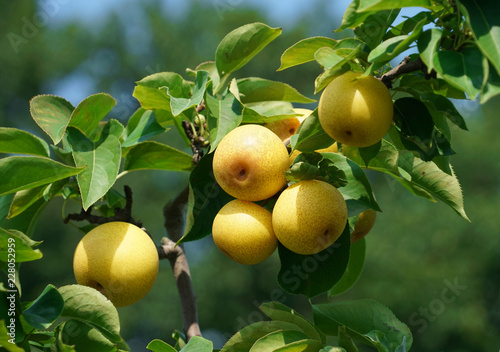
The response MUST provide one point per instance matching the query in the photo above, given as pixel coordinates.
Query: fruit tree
(265, 175)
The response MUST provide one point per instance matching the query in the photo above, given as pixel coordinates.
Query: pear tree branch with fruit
(266, 175)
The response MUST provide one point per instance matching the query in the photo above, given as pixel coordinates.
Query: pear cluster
(249, 164)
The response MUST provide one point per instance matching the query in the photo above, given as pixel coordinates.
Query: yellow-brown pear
(118, 259)
(309, 216)
(365, 223)
(356, 110)
(243, 231)
(250, 163)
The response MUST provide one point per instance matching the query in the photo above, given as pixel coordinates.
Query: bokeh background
(437, 272)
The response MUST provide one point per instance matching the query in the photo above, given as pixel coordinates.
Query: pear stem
(169, 249)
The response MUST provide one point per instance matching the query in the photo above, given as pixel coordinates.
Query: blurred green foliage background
(438, 273)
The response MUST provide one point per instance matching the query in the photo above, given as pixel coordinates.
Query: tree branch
(406, 66)
(124, 214)
(174, 223)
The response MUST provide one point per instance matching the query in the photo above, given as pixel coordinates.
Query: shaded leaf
(463, 70)
(310, 136)
(45, 309)
(206, 198)
(354, 269)
(142, 126)
(25, 172)
(484, 20)
(428, 44)
(277, 339)
(422, 178)
(52, 114)
(16, 141)
(5, 339)
(366, 320)
(198, 344)
(152, 155)
(303, 51)
(374, 27)
(24, 222)
(311, 275)
(85, 337)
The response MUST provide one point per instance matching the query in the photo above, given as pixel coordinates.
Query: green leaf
(24, 199)
(17, 141)
(303, 51)
(374, 26)
(25, 172)
(463, 70)
(408, 25)
(367, 321)
(160, 346)
(198, 344)
(90, 112)
(52, 114)
(377, 5)
(416, 126)
(422, 178)
(428, 44)
(179, 104)
(45, 309)
(306, 345)
(151, 155)
(26, 221)
(394, 46)
(151, 97)
(310, 136)
(277, 339)
(311, 275)
(279, 312)
(18, 243)
(206, 198)
(101, 161)
(420, 84)
(351, 17)
(5, 339)
(358, 192)
(244, 339)
(225, 115)
(84, 337)
(211, 68)
(354, 269)
(483, 18)
(491, 88)
(445, 107)
(254, 89)
(332, 59)
(90, 306)
(239, 46)
(267, 111)
(314, 166)
(142, 126)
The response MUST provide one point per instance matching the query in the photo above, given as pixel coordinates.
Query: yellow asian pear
(309, 216)
(118, 259)
(243, 231)
(356, 110)
(250, 163)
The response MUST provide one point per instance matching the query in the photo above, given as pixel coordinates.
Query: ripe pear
(118, 259)
(250, 163)
(309, 216)
(365, 222)
(284, 128)
(356, 110)
(243, 231)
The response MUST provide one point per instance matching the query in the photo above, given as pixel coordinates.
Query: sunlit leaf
(152, 155)
(52, 114)
(303, 51)
(90, 112)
